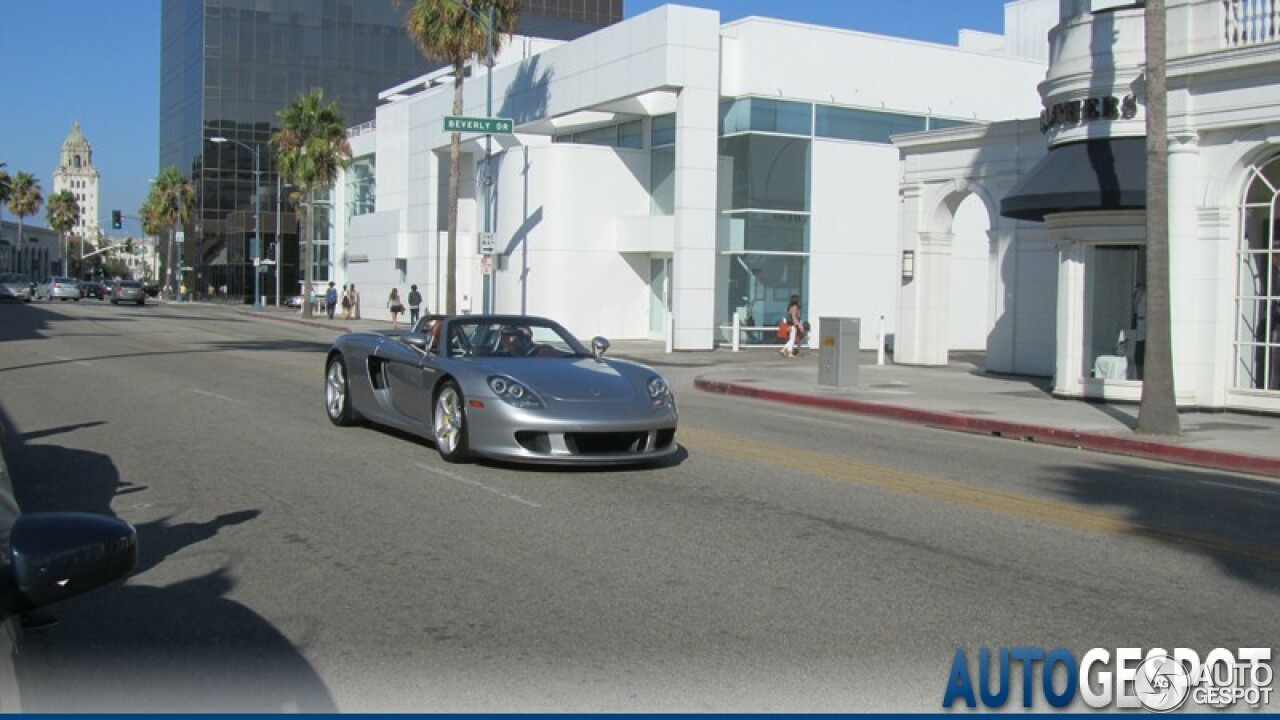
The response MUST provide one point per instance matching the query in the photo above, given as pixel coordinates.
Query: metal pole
(257, 231)
(279, 190)
(488, 159)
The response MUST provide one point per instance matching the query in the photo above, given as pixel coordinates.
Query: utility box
(839, 341)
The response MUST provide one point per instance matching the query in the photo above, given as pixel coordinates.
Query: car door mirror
(54, 556)
(418, 340)
(599, 346)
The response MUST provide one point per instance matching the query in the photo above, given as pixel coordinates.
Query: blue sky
(97, 62)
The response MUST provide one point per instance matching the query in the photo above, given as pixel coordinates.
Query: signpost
(487, 244)
(488, 125)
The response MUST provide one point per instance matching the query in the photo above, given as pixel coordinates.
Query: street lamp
(257, 218)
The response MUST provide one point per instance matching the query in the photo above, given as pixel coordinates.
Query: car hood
(568, 379)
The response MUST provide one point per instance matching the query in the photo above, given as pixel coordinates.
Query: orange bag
(784, 330)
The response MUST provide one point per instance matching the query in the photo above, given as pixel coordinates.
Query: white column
(693, 272)
(1191, 273)
(1068, 366)
(908, 340)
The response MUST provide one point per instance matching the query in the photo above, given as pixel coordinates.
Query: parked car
(59, 288)
(16, 286)
(294, 301)
(151, 289)
(128, 291)
(93, 289)
(512, 387)
(49, 557)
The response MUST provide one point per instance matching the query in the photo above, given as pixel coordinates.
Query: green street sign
(499, 126)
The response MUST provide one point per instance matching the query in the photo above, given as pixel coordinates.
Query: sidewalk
(958, 397)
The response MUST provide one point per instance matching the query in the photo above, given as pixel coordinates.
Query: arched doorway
(970, 302)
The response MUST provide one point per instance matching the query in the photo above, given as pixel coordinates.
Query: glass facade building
(229, 66)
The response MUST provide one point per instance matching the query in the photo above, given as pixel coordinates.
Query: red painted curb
(1098, 442)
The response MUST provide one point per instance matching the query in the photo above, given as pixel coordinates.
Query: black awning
(1089, 175)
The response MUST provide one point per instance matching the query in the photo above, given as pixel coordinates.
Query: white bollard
(880, 344)
(670, 333)
(737, 325)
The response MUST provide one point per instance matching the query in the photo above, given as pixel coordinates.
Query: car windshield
(512, 337)
(130, 284)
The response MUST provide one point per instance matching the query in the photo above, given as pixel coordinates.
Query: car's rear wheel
(337, 393)
(449, 424)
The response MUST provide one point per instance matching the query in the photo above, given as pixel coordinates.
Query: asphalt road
(789, 560)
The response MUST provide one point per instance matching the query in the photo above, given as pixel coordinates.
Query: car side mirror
(54, 556)
(599, 346)
(418, 340)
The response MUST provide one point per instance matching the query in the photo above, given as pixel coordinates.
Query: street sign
(487, 245)
(486, 264)
(458, 123)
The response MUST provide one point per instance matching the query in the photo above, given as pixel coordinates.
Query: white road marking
(468, 481)
(60, 358)
(213, 395)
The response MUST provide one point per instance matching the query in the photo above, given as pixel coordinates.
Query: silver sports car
(509, 387)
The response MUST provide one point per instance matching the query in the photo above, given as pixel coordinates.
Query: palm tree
(311, 147)
(62, 213)
(1158, 410)
(6, 187)
(453, 31)
(168, 206)
(25, 198)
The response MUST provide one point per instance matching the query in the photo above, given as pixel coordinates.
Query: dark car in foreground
(130, 291)
(49, 557)
(509, 387)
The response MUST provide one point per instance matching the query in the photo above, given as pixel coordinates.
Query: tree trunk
(1158, 412)
(455, 175)
(308, 284)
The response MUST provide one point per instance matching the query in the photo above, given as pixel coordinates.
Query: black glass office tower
(227, 68)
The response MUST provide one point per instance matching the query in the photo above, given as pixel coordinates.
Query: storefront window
(362, 187)
(1258, 292)
(765, 115)
(769, 172)
(1115, 330)
(760, 285)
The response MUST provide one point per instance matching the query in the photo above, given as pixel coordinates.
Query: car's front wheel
(449, 424)
(337, 393)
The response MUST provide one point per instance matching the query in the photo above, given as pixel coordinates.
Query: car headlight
(513, 393)
(659, 393)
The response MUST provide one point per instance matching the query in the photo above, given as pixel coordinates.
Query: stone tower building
(76, 173)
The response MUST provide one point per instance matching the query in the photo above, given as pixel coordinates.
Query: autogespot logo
(1163, 683)
(1158, 680)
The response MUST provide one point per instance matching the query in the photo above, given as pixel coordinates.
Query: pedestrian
(346, 303)
(355, 302)
(395, 306)
(415, 304)
(795, 329)
(331, 299)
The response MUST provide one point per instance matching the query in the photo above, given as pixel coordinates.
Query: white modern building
(1064, 195)
(670, 171)
(76, 174)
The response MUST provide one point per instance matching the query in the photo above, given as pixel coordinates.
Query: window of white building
(1258, 292)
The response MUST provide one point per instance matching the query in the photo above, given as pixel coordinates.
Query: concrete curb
(1097, 442)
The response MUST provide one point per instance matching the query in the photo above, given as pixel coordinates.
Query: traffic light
(116, 220)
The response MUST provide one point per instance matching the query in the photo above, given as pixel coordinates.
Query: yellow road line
(1051, 512)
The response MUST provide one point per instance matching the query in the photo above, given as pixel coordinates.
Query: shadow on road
(133, 647)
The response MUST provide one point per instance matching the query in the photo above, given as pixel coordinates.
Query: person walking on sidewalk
(355, 301)
(795, 329)
(415, 304)
(331, 299)
(395, 306)
(346, 303)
